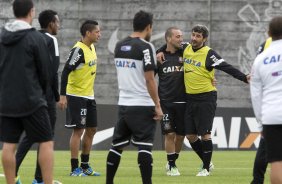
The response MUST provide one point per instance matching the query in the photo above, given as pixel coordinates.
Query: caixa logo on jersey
(91, 63)
(125, 63)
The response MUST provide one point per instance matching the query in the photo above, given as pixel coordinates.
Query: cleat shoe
(35, 182)
(173, 171)
(211, 168)
(167, 167)
(18, 180)
(77, 172)
(90, 172)
(203, 172)
(54, 182)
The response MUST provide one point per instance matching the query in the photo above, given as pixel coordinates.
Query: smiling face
(175, 39)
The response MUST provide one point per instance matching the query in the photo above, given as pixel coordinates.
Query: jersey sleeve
(54, 50)
(256, 91)
(76, 57)
(43, 61)
(149, 58)
(216, 61)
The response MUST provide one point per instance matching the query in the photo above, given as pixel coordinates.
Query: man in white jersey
(139, 105)
(266, 93)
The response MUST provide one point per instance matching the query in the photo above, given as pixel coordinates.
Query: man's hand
(63, 102)
(248, 78)
(214, 82)
(160, 57)
(158, 113)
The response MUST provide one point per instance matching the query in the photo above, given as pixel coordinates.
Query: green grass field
(231, 167)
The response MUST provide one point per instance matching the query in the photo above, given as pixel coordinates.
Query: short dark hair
(88, 25)
(201, 29)
(141, 20)
(168, 32)
(275, 28)
(45, 17)
(21, 8)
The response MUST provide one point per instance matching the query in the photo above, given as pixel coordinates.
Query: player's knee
(90, 131)
(145, 155)
(170, 136)
(77, 132)
(180, 138)
(192, 138)
(206, 137)
(116, 149)
(144, 158)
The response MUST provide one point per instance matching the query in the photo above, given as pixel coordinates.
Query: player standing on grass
(260, 163)
(24, 64)
(77, 94)
(138, 104)
(199, 64)
(201, 96)
(266, 93)
(49, 23)
(172, 97)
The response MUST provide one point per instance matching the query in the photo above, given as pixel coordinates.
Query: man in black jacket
(49, 23)
(24, 60)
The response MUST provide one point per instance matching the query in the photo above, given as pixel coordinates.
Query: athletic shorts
(135, 124)
(36, 126)
(273, 142)
(81, 112)
(173, 120)
(199, 114)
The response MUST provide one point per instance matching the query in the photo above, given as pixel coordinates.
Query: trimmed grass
(231, 167)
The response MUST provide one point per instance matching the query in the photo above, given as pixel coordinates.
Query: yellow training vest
(267, 43)
(81, 80)
(197, 78)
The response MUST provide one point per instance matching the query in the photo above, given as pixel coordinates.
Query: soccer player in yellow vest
(199, 64)
(77, 94)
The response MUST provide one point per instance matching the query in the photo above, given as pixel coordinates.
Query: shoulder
(35, 34)
(36, 38)
(77, 50)
(50, 37)
(185, 45)
(147, 45)
(259, 59)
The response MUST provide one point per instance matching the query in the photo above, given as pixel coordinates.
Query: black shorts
(81, 112)
(135, 124)
(199, 114)
(36, 126)
(273, 142)
(173, 120)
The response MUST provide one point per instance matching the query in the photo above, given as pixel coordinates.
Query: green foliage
(231, 167)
